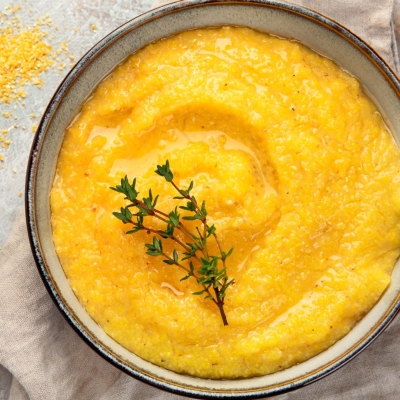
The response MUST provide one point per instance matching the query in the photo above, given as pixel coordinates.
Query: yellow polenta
(299, 175)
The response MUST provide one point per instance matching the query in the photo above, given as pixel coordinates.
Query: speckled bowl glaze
(318, 32)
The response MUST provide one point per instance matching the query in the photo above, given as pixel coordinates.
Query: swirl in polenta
(300, 176)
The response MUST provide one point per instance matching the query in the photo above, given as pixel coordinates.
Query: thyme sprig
(192, 255)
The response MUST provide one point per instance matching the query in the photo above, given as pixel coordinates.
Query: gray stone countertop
(73, 27)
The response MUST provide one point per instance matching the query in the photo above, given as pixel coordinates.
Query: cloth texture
(48, 359)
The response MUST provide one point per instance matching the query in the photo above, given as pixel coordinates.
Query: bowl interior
(282, 19)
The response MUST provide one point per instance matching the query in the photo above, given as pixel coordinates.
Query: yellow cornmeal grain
(299, 175)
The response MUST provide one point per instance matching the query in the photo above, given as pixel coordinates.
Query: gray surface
(66, 15)
(74, 19)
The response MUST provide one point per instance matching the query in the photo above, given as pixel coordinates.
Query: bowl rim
(30, 201)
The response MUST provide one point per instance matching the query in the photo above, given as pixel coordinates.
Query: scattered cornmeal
(25, 55)
(300, 176)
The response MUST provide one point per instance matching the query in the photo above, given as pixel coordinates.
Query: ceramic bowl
(316, 31)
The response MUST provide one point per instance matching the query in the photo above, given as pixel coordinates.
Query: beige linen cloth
(50, 362)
